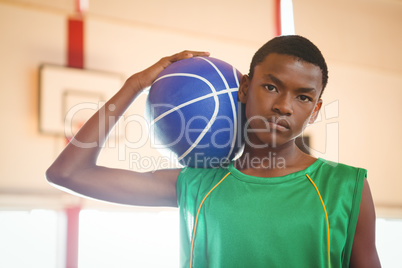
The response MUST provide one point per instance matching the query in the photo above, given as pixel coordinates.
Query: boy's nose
(283, 105)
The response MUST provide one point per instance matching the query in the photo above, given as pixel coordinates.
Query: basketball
(193, 112)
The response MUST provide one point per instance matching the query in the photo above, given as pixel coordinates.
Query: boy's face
(281, 99)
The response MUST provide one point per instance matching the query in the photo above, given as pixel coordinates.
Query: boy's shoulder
(337, 176)
(337, 167)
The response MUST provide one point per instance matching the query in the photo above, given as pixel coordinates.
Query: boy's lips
(278, 123)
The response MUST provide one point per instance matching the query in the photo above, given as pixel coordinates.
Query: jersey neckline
(274, 180)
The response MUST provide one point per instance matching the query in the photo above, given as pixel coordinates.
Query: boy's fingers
(187, 54)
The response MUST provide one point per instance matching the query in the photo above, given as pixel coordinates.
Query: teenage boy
(303, 212)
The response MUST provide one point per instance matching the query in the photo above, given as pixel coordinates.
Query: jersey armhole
(354, 213)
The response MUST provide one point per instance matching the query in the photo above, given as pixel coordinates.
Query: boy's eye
(270, 87)
(304, 98)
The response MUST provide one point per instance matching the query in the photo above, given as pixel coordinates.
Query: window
(389, 242)
(128, 239)
(31, 239)
(287, 18)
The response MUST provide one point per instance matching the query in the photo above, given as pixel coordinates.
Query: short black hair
(292, 45)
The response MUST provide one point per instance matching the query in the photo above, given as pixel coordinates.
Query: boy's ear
(243, 88)
(317, 109)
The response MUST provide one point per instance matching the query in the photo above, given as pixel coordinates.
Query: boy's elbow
(56, 175)
(52, 175)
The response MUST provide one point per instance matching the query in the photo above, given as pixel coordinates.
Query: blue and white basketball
(193, 110)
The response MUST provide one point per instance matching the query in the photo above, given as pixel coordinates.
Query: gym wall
(360, 39)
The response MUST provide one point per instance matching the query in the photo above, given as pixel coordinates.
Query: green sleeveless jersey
(247, 221)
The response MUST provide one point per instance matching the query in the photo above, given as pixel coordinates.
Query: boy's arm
(364, 252)
(76, 170)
